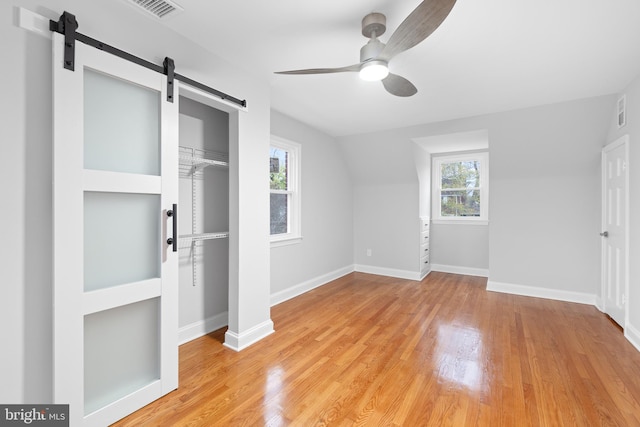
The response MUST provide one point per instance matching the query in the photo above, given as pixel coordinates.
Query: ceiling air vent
(161, 9)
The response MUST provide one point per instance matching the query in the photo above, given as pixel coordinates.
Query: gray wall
(25, 165)
(464, 246)
(327, 209)
(545, 195)
(545, 189)
(26, 255)
(422, 160)
(386, 222)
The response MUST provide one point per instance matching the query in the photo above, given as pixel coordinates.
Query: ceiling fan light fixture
(374, 71)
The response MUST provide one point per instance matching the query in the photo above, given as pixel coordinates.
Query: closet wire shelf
(188, 240)
(192, 162)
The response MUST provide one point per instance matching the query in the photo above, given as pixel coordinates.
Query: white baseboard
(633, 336)
(467, 271)
(239, 341)
(202, 327)
(294, 291)
(390, 272)
(534, 291)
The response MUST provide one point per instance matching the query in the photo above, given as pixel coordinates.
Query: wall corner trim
(539, 292)
(238, 342)
(632, 335)
(390, 272)
(454, 269)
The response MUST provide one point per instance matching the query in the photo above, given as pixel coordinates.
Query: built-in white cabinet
(425, 263)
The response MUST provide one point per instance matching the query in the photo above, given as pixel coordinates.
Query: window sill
(285, 241)
(460, 221)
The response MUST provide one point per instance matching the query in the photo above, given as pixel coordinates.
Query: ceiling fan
(375, 55)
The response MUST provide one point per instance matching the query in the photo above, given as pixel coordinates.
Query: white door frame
(622, 141)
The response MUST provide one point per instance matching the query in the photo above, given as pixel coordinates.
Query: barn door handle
(173, 214)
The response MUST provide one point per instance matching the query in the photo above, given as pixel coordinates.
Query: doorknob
(605, 234)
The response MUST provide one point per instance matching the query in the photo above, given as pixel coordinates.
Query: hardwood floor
(376, 351)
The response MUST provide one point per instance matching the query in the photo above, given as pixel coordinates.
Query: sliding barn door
(115, 275)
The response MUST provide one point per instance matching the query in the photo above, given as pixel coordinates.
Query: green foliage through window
(279, 180)
(460, 189)
(278, 171)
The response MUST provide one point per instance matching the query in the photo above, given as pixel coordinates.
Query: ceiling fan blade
(399, 86)
(354, 67)
(420, 23)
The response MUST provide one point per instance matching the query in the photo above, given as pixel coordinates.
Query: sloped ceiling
(488, 56)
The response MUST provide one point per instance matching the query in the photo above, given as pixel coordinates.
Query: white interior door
(115, 276)
(615, 196)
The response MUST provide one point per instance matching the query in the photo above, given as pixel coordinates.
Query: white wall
(544, 189)
(632, 128)
(327, 214)
(25, 164)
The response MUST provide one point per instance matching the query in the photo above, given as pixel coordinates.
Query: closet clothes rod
(67, 25)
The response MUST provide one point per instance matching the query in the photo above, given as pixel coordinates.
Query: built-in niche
(453, 247)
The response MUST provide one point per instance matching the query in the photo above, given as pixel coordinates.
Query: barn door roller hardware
(67, 25)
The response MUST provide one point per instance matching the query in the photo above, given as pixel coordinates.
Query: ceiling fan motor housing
(371, 50)
(374, 25)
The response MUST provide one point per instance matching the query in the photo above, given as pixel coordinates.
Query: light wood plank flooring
(376, 351)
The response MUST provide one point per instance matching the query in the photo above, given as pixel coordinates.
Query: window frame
(436, 165)
(294, 206)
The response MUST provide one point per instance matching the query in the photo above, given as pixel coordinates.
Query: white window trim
(437, 161)
(295, 202)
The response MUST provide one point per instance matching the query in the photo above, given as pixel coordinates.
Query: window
(461, 188)
(284, 184)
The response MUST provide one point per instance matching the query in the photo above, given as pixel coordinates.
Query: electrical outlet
(368, 252)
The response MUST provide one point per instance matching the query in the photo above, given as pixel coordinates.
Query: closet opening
(204, 219)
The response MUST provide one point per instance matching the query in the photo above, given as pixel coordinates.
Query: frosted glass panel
(121, 352)
(121, 238)
(121, 125)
